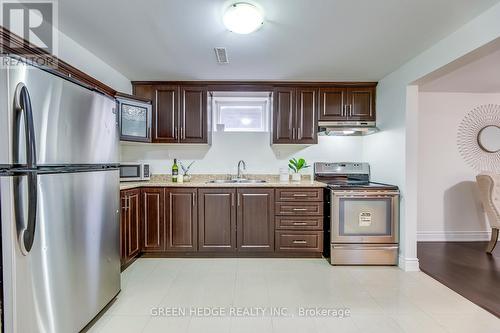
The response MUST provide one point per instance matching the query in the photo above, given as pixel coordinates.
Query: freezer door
(73, 268)
(73, 125)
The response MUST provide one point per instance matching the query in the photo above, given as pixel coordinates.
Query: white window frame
(236, 102)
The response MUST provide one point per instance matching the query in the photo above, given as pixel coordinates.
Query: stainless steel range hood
(346, 128)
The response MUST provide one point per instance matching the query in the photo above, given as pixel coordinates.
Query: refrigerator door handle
(22, 104)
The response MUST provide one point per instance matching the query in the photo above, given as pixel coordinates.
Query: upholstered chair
(489, 189)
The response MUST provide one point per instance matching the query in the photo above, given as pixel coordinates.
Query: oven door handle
(367, 194)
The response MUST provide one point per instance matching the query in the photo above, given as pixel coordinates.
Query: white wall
(76, 55)
(254, 148)
(448, 205)
(394, 152)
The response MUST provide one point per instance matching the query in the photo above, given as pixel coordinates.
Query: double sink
(236, 181)
(239, 179)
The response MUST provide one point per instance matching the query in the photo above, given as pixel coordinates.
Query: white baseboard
(453, 236)
(409, 264)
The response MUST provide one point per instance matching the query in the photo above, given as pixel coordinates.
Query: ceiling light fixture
(243, 18)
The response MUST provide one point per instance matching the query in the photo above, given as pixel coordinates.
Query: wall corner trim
(409, 264)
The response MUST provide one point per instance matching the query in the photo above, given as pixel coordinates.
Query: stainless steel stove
(363, 216)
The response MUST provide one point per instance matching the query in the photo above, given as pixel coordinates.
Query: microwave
(134, 118)
(134, 172)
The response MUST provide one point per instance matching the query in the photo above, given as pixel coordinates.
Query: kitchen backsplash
(254, 148)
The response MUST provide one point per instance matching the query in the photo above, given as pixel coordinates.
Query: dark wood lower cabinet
(217, 220)
(123, 228)
(134, 225)
(299, 241)
(299, 220)
(153, 219)
(182, 220)
(130, 241)
(299, 208)
(255, 220)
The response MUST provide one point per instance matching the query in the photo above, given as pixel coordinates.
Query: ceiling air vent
(221, 54)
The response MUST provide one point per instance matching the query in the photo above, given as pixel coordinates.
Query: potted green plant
(296, 165)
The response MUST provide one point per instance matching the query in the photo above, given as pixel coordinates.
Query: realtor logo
(33, 21)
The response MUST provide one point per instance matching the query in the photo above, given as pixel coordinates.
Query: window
(241, 114)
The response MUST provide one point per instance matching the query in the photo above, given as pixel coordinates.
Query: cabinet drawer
(302, 194)
(299, 241)
(299, 222)
(299, 208)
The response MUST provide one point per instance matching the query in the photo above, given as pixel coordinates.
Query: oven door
(365, 217)
(131, 172)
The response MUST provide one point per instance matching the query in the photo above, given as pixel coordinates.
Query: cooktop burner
(347, 176)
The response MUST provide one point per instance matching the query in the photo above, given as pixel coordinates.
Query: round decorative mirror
(489, 139)
(478, 138)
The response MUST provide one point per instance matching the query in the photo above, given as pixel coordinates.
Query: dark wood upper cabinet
(284, 115)
(295, 115)
(166, 114)
(362, 103)
(193, 115)
(347, 103)
(144, 91)
(332, 104)
(306, 113)
(182, 221)
(255, 220)
(179, 112)
(217, 220)
(153, 219)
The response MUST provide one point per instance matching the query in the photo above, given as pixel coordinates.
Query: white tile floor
(381, 299)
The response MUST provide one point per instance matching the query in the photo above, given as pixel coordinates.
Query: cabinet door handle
(299, 209)
(299, 133)
(232, 199)
(293, 133)
(194, 199)
(350, 110)
(299, 223)
(299, 195)
(175, 133)
(239, 200)
(183, 134)
(299, 241)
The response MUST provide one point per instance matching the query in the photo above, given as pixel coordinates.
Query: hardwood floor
(465, 268)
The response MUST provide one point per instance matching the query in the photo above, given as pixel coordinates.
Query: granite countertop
(201, 181)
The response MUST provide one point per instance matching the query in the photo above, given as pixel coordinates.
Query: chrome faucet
(240, 164)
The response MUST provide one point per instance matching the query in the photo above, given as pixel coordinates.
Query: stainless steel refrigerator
(59, 201)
